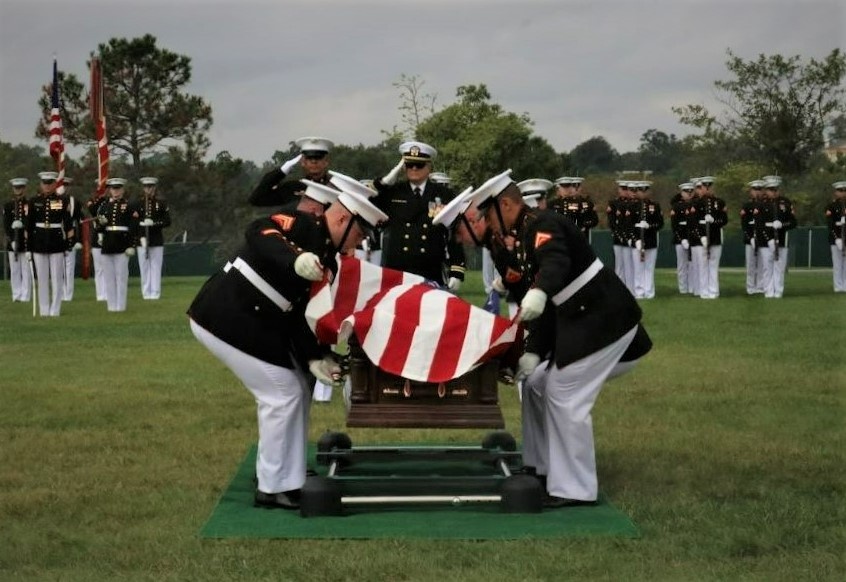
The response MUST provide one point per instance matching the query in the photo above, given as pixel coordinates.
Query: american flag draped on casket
(405, 325)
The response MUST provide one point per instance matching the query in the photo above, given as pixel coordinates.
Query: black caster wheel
(499, 439)
(521, 494)
(320, 496)
(332, 441)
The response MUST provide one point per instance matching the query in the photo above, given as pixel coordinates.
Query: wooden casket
(381, 399)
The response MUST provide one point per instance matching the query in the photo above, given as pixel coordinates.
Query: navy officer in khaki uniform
(251, 316)
(412, 243)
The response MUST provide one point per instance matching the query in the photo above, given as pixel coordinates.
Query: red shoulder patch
(285, 221)
(542, 238)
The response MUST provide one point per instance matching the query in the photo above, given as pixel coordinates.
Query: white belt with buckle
(118, 228)
(258, 282)
(48, 224)
(577, 283)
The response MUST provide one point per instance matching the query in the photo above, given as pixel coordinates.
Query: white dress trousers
(708, 270)
(70, 271)
(557, 424)
(282, 402)
(115, 280)
(774, 269)
(682, 270)
(20, 277)
(644, 273)
(838, 263)
(150, 261)
(50, 274)
(99, 282)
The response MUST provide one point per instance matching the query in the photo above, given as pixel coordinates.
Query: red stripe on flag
(448, 350)
(407, 316)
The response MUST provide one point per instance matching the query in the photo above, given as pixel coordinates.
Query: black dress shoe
(553, 502)
(284, 500)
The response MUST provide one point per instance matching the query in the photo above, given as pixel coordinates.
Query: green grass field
(726, 447)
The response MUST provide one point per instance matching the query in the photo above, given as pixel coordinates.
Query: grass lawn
(118, 433)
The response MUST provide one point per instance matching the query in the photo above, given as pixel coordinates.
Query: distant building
(835, 148)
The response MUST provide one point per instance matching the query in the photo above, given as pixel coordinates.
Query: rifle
(843, 230)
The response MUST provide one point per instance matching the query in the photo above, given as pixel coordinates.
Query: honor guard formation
(46, 233)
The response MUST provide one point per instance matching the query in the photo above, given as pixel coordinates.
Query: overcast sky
(274, 71)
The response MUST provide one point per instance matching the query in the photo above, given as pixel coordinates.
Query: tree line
(778, 113)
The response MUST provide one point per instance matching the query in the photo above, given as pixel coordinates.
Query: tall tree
(415, 105)
(776, 109)
(146, 106)
(658, 151)
(477, 139)
(593, 156)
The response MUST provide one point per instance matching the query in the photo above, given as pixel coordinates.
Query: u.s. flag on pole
(57, 144)
(406, 326)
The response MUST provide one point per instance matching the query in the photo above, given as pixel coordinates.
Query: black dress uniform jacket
(412, 243)
(121, 229)
(779, 208)
(748, 214)
(92, 206)
(834, 213)
(155, 209)
(597, 314)
(272, 190)
(579, 209)
(231, 308)
(678, 219)
(47, 222)
(15, 209)
(650, 211)
(701, 206)
(75, 211)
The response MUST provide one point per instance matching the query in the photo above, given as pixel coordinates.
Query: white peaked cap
(344, 182)
(360, 206)
(417, 150)
(492, 188)
(836, 185)
(149, 181)
(47, 176)
(320, 192)
(18, 181)
(534, 185)
(439, 178)
(116, 182)
(454, 208)
(686, 186)
(314, 144)
(531, 200)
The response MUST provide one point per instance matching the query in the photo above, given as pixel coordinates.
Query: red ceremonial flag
(405, 326)
(98, 115)
(57, 144)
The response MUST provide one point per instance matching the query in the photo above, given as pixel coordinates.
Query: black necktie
(417, 191)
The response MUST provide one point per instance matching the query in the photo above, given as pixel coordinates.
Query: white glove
(685, 244)
(527, 364)
(391, 177)
(838, 242)
(642, 224)
(14, 246)
(630, 242)
(289, 165)
(130, 251)
(100, 238)
(77, 246)
(497, 286)
(533, 304)
(143, 242)
(772, 244)
(709, 219)
(308, 267)
(454, 284)
(326, 370)
(753, 242)
(638, 244)
(16, 224)
(704, 241)
(102, 220)
(28, 255)
(840, 222)
(777, 224)
(147, 222)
